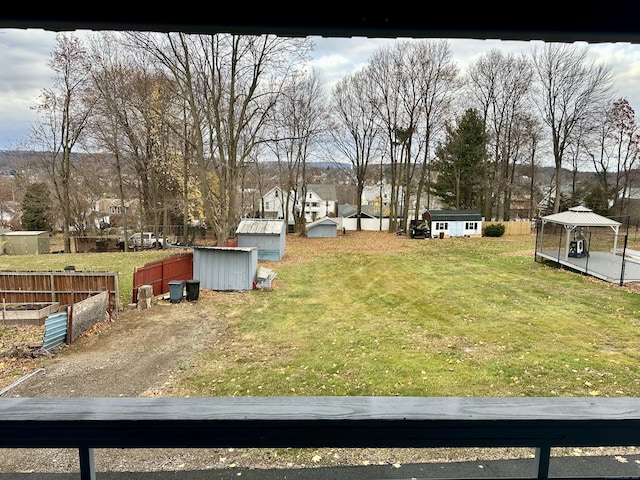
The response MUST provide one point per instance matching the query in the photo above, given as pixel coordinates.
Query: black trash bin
(193, 290)
(176, 288)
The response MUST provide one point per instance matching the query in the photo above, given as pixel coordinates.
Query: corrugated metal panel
(267, 235)
(55, 330)
(271, 255)
(325, 227)
(225, 269)
(261, 226)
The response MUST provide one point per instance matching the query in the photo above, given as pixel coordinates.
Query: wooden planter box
(26, 313)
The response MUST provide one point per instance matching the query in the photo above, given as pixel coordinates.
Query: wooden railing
(301, 422)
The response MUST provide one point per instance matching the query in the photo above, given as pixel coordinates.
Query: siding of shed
(267, 235)
(225, 269)
(270, 247)
(26, 243)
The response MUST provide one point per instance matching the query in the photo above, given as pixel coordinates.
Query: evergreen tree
(35, 207)
(460, 163)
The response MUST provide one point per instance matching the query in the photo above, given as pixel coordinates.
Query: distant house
(109, 211)
(273, 204)
(267, 235)
(323, 228)
(319, 201)
(454, 223)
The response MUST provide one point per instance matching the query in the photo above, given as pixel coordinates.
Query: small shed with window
(454, 223)
(267, 235)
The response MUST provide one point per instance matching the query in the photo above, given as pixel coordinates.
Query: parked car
(147, 240)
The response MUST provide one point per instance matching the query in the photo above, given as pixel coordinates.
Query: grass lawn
(377, 314)
(372, 313)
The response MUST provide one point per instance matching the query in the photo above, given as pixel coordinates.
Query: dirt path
(136, 354)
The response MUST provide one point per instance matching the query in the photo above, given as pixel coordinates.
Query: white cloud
(24, 73)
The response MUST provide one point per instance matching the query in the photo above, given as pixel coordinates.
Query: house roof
(325, 192)
(580, 217)
(261, 226)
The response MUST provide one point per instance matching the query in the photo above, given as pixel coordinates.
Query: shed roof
(25, 233)
(580, 217)
(454, 215)
(260, 226)
(323, 221)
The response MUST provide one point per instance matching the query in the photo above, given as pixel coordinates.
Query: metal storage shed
(267, 235)
(25, 243)
(323, 228)
(225, 268)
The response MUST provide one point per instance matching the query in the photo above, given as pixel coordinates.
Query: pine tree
(460, 163)
(35, 207)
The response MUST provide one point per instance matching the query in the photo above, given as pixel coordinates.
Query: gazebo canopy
(581, 217)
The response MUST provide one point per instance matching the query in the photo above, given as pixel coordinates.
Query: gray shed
(25, 243)
(225, 268)
(324, 228)
(267, 235)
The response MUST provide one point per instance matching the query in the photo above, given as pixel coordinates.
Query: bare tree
(65, 111)
(570, 88)
(614, 153)
(438, 85)
(298, 122)
(356, 133)
(228, 84)
(500, 85)
(414, 84)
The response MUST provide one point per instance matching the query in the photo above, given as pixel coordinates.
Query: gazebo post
(615, 229)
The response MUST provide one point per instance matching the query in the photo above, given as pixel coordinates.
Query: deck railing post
(543, 455)
(87, 464)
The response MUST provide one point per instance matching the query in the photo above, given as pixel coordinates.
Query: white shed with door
(225, 268)
(454, 223)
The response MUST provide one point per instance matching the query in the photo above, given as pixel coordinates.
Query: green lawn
(377, 314)
(453, 317)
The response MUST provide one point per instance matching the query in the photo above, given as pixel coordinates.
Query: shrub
(496, 230)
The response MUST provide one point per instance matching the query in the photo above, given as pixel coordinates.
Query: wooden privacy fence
(512, 229)
(66, 287)
(158, 274)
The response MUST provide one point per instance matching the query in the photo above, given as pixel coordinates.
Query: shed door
(456, 229)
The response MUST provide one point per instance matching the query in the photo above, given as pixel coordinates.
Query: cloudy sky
(24, 73)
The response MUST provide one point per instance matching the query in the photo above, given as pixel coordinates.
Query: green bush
(496, 230)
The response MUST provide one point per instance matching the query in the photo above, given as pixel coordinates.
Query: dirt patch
(124, 357)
